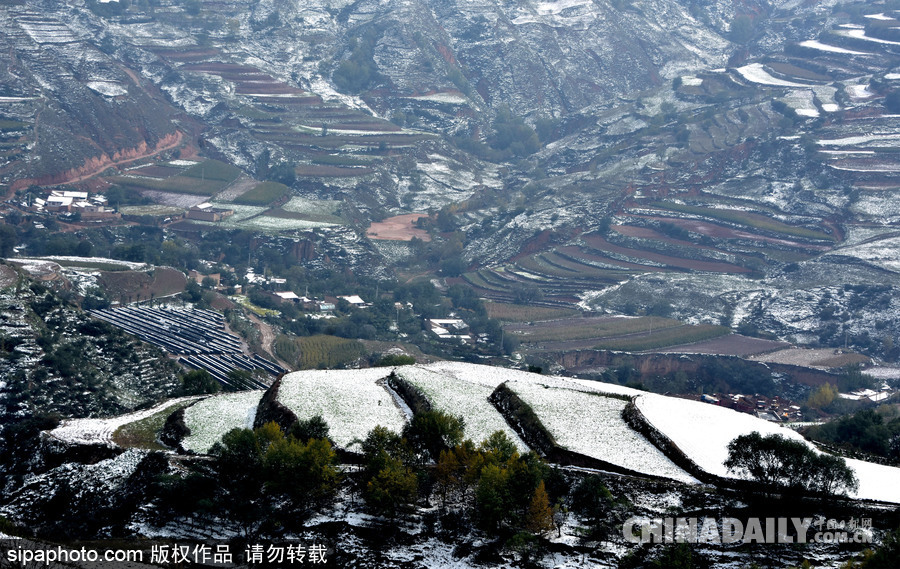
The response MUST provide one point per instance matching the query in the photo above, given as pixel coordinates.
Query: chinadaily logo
(750, 530)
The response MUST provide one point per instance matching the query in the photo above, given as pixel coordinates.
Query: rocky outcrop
(413, 398)
(270, 410)
(175, 430)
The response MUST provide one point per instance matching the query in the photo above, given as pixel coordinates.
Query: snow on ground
(108, 88)
(464, 394)
(813, 44)
(211, 418)
(802, 102)
(702, 431)
(592, 424)
(884, 253)
(755, 73)
(100, 431)
(884, 208)
(861, 35)
(859, 92)
(43, 262)
(352, 402)
(884, 372)
(241, 212)
(880, 16)
(103, 478)
(864, 139)
(876, 481)
(451, 98)
(245, 218)
(298, 204)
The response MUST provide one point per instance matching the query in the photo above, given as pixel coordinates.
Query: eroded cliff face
(97, 164)
(73, 109)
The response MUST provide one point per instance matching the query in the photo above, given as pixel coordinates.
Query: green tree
(393, 489)
(305, 473)
(8, 239)
(822, 397)
(431, 432)
(199, 382)
(392, 360)
(492, 497)
(783, 464)
(313, 428)
(237, 464)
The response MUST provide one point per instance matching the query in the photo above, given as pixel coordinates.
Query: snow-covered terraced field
(100, 431)
(703, 431)
(352, 402)
(463, 389)
(211, 418)
(591, 424)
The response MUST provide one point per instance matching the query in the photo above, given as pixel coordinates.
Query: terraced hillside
(569, 421)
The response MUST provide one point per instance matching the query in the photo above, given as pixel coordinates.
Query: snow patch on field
(211, 418)
(108, 88)
(592, 424)
(703, 431)
(860, 34)
(755, 73)
(463, 394)
(352, 402)
(813, 44)
(884, 253)
(100, 431)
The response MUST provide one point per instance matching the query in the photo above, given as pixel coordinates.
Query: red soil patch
(580, 254)
(398, 228)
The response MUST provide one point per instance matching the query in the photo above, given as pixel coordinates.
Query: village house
(206, 212)
(449, 329)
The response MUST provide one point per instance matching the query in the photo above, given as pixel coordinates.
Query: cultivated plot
(591, 424)
(463, 391)
(352, 402)
(211, 418)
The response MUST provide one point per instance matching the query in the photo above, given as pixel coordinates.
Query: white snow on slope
(702, 431)
(211, 418)
(463, 394)
(352, 402)
(813, 44)
(861, 34)
(100, 431)
(755, 73)
(592, 424)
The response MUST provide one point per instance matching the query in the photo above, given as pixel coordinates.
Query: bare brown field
(588, 257)
(602, 244)
(398, 228)
(721, 232)
(319, 171)
(128, 286)
(730, 345)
